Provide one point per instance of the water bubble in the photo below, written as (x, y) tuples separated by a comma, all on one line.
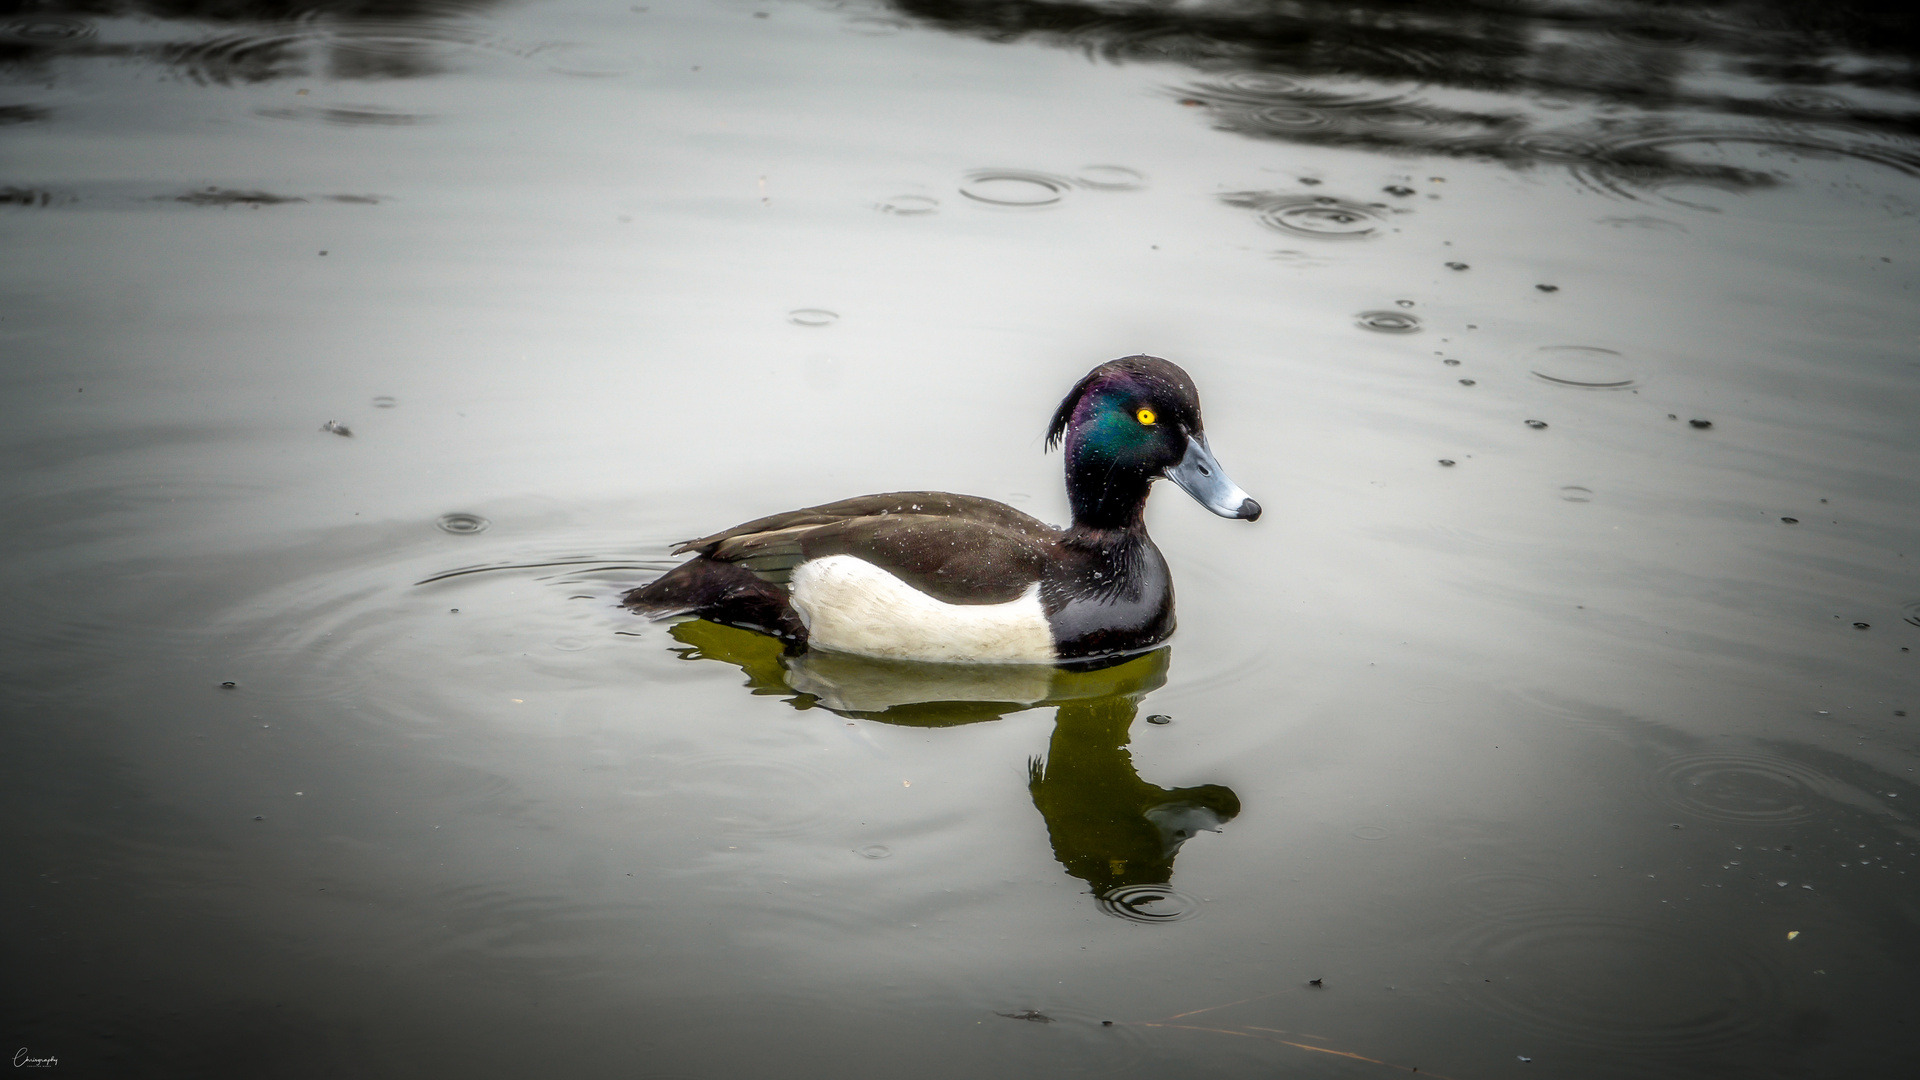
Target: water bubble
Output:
[(1537, 425), (1456, 266), (1701, 423), (1468, 382), (1399, 190), (1451, 362), (1548, 288), (1862, 626), (1576, 494), (384, 402), (1320, 216), (812, 317), (1446, 461), (908, 205), (1403, 303), (1148, 903), (1582, 367), (1018, 188), (1791, 520), (1110, 178), (874, 851), (1388, 322), (1370, 832), (1159, 718), (462, 524)]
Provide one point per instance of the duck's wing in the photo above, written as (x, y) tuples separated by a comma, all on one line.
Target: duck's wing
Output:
[(955, 548), (928, 503)]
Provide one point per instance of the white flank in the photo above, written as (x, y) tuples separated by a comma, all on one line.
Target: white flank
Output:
[(851, 605)]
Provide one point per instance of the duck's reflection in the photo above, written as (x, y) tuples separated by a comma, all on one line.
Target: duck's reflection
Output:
[(1109, 828)]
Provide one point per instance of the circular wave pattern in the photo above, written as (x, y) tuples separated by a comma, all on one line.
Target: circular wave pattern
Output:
[(46, 29), (1015, 188), (750, 795), (243, 57), (1811, 102), (1319, 216), (908, 205), (1582, 367), (1609, 981), (1500, 894), (812, 317), (1605, 980), (462, 524), (1388, 322), (1110, 178), (1742, 788), (366, 48), (1148, 903), (1638, 166), (1554, 146)]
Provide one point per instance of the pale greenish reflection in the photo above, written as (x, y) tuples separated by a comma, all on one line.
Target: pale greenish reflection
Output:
[(1110, 828)]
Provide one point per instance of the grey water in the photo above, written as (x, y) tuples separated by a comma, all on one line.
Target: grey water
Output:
[(1556, 719)]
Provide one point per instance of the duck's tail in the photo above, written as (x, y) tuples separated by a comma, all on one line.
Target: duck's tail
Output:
[(721, 592)]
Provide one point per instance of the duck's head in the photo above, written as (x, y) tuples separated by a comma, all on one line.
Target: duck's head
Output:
[(1130, 422)]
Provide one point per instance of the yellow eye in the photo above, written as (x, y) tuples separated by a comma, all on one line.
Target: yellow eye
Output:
[(1146, 417)]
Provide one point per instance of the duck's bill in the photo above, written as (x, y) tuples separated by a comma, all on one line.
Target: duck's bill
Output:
[(1200, 476)]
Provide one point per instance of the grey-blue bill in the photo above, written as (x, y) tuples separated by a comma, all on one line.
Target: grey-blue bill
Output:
[(1199, 474)]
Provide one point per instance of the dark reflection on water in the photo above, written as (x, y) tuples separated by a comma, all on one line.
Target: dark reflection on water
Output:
[(1524, 83), (1111, 829), (368, 39)]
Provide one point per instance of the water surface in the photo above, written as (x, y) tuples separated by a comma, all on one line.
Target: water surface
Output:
[(1554, 719)]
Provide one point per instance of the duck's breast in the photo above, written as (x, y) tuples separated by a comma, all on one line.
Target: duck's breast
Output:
[(851, 605)]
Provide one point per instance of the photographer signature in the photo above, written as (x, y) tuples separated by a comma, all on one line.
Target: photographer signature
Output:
[(24, 1060)]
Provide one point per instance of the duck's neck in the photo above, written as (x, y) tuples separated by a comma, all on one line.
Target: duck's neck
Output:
[(1106, 496)]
